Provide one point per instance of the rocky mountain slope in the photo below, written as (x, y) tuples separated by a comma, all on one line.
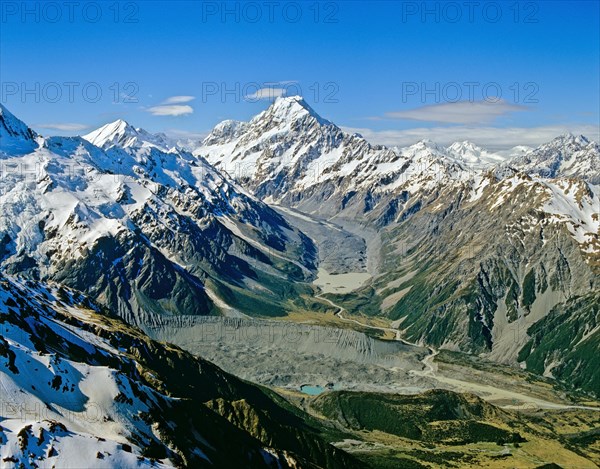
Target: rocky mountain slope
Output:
[(143, 228), (80, 389), (480, 288)]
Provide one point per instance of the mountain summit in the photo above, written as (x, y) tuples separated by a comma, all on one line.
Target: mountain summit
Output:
[(124, 207), (292, 108)]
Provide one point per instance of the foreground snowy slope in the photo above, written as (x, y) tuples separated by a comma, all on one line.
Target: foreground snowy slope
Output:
[(82, 390), (143, 228)]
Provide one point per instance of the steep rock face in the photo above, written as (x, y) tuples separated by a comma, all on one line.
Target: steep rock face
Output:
[(146, 229), (15, 134), (78, 387)]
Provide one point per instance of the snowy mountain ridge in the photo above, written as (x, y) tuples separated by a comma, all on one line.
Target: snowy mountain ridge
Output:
[(289, 156), (567, 155)]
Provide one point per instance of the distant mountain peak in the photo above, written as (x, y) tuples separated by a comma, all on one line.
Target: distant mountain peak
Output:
[(427, 144), (567, 155), (122, 134), (465, 146), (112, 133), (570, 138)]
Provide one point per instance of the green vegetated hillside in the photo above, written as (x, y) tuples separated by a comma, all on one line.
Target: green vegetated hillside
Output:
[(441, 428), (437, 417), (566, 342)]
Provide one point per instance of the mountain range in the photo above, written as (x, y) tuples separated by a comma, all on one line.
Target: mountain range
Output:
[(494, 254), (476, 243)]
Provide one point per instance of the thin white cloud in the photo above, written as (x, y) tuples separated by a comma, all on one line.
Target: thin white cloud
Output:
[(266, 93), (172, 106), (170, 110), (66, 127), (460, 112), (178, 99), (493, 138)]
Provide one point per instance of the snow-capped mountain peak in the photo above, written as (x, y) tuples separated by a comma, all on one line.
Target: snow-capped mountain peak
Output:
[(474, 156), (427, 143), (465, 148), (288, 109), (571, 139), (118, 132), (122, 134), (225, 131)]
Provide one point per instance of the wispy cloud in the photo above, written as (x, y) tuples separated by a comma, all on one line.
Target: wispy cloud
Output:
[(66, 127), (173, 106), (178, 99), (275, 89), (494, 138), (460, 112), (266, 93), (171, 110)]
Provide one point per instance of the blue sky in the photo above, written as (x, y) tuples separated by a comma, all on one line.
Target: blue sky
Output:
[(498, 73)]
